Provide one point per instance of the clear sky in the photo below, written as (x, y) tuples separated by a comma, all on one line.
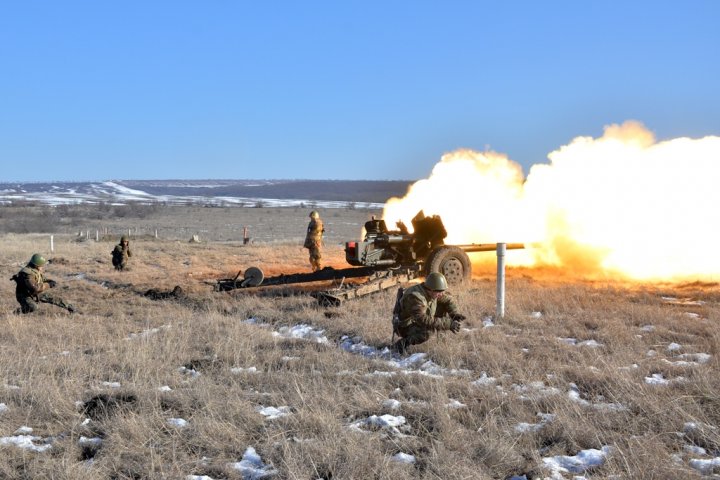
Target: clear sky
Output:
[(338, 89)]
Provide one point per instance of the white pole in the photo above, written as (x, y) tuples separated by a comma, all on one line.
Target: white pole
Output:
[(156, 233), (500, 300), (52, 244), (97, 235)]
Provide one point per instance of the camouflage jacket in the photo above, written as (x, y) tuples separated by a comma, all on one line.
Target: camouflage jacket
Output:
[(29, 282), (419, 308), (120, 254), (314, 233)]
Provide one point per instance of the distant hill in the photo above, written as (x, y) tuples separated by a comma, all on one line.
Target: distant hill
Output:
[(327, 193), (371, 191)]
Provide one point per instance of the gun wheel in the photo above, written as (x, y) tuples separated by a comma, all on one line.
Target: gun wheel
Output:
[(252, 277), (452, 262)]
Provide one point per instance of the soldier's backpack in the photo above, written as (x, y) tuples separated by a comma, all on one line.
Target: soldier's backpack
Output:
[(396, 312)]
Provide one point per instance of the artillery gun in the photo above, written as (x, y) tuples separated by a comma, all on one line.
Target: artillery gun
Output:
[(423, 249), (386, 257)]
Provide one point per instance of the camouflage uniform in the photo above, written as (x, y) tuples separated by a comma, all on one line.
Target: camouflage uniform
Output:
[(420, 314), (30, 283), (120, 255), (313, 242)]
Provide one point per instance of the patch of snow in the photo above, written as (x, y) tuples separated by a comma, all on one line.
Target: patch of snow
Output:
[(252, 467), (536, 315), (189, 371), (383, 422), (575, 396), (302, 331), (535, 390), (111, 384), (391, 403), (695, 450), (25, 441), (484, 381), (673, 347), (524, 427), (3, 408), (178, 422), (696, 357), (659, 379), (165, 388), (579, 463), (271, 413), (705, 467), (586, 343), (23, 430), (454, 404), (404, 458), (90, 441)]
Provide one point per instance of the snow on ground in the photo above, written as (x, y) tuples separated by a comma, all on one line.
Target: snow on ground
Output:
[(271, 413), (117, 194), (302, 331), (583, 461), (252, 467)]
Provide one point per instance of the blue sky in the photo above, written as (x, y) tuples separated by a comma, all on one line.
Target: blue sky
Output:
[(338, 89)]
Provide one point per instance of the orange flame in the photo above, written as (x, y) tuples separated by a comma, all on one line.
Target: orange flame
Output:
[(621, 204)]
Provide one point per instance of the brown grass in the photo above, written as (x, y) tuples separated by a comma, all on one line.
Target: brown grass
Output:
[(57, 370)]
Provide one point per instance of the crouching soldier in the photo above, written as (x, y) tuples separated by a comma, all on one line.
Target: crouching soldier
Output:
[(121, 253), (424, 308), (30, 285)]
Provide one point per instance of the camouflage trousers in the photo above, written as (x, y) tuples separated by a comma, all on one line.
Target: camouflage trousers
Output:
[(120, 266), (30, 304), (415, 334), (315, 257)]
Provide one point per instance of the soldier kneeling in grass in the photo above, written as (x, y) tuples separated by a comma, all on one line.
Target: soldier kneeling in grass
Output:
[(30, 285), (423, 308)]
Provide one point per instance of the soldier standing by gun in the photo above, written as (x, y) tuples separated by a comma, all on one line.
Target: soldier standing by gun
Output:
[(121, 253), (313, 240), (422, 309), (30, 285)]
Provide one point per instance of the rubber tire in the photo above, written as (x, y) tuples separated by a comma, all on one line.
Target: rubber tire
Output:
[(452, 262), (252, 277)]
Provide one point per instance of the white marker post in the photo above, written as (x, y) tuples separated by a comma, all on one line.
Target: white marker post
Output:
[(500, 297), (52, 244)]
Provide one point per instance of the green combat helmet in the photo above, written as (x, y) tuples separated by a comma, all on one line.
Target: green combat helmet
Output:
[(124, 238), (314, 214), (38, 260), (436, 281)]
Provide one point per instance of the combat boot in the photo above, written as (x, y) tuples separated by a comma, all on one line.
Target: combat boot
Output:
[(401, 346)]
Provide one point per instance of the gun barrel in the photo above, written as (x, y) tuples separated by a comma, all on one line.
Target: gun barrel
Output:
[(489, 247)]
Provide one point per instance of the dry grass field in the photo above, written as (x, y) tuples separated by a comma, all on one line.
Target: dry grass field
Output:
[(134, 388)]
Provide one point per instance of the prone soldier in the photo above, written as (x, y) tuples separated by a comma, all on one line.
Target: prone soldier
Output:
[(31, 285)]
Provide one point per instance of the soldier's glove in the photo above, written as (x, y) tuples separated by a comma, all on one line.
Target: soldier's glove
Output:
[(51, 283), (455, 326), (459, 317)]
